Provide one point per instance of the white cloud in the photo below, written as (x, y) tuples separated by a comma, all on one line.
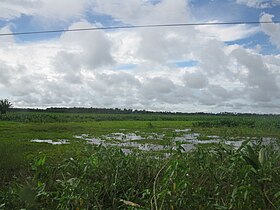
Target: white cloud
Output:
[(111, 89), (260, 82), (144, 12), (157, 87), (50, 9), (272, 29), (5, 72), (195, 80), (90, 49), (260, 4), (62, 9), (164, 45), (6, 40), (14, 8), (156, 45), (219, 91), (78, 69), (212, 57), (228, 33)]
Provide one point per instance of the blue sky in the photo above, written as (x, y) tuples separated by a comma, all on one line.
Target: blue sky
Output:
[(202, 11), (176, 69)]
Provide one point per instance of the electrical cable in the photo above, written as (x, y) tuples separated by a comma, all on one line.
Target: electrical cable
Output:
[(137, 26)]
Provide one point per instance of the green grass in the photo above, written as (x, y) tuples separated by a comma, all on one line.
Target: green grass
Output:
[(82, 176), (99, 178)]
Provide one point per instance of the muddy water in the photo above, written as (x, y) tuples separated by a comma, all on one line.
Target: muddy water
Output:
[(188, 140), (123, 136), (123, 141), (128, 141)]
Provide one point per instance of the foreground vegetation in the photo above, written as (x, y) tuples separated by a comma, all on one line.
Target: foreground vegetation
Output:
[(99, 178), (83, 176)]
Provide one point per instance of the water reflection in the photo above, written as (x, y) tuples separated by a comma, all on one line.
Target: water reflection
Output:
[(49, 141), (151, 141)]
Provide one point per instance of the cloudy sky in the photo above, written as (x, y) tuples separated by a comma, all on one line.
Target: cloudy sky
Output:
[(232, 68)]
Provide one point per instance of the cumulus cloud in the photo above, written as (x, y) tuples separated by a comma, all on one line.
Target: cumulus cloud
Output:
[(114, 83), (79, 69), (212, 58), (195, 80), (111, 89), (163, 45), (157, 87), (51, 9), (25, 85), (57, 9), (69, 66), (144, 12), (260, 81), (260, 4), (228, 33), (155, 45), (272, 30), (5, 74), (15, 8), (90, 50), (219, 91), (8, 40)]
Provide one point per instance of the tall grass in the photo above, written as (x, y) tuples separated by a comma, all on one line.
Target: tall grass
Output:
[(216, 177)]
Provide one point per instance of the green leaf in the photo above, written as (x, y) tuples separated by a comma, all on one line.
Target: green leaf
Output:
[(244, 143), (252, 158), (277, 195), (262, 154)]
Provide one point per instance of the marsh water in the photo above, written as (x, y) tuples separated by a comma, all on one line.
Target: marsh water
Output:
[(183, 139)]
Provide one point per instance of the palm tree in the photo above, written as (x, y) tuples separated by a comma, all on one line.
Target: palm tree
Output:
[(5, 104)]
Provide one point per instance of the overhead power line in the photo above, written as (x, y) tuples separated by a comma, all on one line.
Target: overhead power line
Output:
[(136, 26)]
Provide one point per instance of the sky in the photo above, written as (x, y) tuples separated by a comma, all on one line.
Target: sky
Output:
[(226, 68)]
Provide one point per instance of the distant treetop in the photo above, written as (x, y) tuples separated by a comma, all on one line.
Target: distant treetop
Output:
[(5, 104)]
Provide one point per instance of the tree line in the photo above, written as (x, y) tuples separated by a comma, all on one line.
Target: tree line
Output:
[(6, 105)]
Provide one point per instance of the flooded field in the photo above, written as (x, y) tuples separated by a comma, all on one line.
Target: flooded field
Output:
[(183, 139), (195, 162)]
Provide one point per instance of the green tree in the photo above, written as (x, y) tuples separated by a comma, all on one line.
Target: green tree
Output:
[(5, 104)]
